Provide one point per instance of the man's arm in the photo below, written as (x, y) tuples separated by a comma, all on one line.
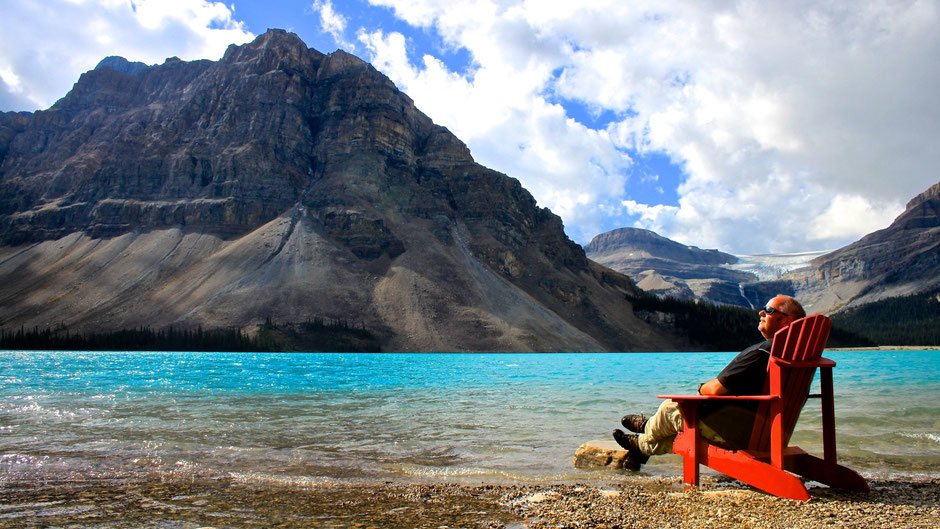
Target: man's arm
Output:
[(713, 387)]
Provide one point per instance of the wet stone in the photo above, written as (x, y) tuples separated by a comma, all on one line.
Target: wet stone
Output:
[(601, 454)]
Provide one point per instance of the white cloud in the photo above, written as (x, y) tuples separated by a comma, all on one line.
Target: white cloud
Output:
[(63, 39), (501, 111), (333, 23), (849, 214), (657, 216), (785, 115)]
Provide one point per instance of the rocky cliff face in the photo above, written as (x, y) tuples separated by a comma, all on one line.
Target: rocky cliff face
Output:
[(280, 182), (667, 268)]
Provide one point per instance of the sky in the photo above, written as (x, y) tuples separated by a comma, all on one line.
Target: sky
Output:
[(763, 126)]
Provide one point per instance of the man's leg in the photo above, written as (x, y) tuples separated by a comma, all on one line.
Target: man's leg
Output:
[(661, 429)]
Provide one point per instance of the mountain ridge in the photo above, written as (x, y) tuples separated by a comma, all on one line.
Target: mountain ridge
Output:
[(668, 268), (282, 183), (899, 260)]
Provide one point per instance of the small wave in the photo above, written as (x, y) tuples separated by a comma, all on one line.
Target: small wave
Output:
[(9, 461), (922, 435), (32, 511), (447, 472), (274, 479)]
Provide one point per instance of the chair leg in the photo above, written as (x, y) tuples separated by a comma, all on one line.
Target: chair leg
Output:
[(690, 471), (690, 462), (828, 415)]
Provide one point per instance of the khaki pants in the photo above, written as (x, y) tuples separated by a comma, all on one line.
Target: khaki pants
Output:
[(662, 428)]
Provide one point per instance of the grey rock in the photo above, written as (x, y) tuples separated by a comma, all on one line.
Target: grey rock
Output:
[(281, 182), (122, 65)]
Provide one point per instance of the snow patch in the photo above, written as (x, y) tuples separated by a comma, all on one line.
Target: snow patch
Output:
[(768, 267)]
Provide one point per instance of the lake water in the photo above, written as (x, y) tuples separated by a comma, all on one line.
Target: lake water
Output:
[(300, 418)]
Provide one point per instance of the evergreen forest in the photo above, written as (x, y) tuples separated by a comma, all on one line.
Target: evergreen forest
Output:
[(315, 335), (906, 320), (712, 327)]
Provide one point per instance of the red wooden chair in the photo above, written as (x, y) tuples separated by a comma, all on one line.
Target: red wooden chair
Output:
[(767, 463)]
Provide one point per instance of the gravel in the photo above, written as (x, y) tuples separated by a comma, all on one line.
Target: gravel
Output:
[(625, 502), (656, 503)]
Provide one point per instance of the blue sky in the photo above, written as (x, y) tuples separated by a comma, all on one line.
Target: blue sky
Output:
[(748, 126)]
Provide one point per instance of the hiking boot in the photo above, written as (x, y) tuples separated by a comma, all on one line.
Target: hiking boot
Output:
[(629, 442), (634, 423)]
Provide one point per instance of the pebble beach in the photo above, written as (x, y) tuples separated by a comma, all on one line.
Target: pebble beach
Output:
[(630, 501)]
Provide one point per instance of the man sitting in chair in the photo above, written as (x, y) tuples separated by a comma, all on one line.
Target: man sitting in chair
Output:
[(725, 424)]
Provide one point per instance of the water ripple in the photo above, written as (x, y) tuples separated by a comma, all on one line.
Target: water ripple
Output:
[(297, 417)]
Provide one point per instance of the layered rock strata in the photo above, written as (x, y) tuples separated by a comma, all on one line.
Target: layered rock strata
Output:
[(281, 182)]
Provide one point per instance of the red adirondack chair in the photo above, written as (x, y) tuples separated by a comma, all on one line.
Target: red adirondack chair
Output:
[(767, 463)]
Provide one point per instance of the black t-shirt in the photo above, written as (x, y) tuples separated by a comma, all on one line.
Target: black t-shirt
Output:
[(744, 375)]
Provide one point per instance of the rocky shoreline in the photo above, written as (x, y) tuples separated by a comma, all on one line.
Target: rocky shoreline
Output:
[(621, 502), (654, 503)]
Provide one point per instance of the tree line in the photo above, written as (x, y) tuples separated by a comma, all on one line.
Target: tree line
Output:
[(316, 335), (713, 327), (905, 320), (908, 320)]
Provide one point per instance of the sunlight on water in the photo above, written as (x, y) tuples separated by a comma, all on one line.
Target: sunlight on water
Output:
[(424, 416)]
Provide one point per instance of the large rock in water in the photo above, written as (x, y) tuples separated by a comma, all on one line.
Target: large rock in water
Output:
[(281, 182), (603, 454)]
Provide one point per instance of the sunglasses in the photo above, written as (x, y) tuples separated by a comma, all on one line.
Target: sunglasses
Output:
[(768, 310)]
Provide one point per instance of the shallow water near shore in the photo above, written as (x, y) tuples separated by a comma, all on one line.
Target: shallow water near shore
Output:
[(298, 419)]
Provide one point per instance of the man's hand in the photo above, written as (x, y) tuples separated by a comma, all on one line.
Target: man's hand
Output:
[(713, 387)]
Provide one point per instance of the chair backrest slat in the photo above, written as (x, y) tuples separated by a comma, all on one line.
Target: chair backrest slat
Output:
[(803, 340)]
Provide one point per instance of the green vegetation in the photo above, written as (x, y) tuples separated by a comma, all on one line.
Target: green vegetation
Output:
[(713, 327), (317, 335), (309, 336), (141, 339), (708, 326), (906, 320)]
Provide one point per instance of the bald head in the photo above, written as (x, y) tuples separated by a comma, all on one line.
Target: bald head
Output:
[(778, 314), (792, 307)]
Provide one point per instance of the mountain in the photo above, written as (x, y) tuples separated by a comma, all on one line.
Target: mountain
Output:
[(667, 268), (282, 183), (900, 260)]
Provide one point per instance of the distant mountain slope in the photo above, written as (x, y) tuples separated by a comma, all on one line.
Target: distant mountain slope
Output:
[(281, 182), (899, 260), (667, 268), (902, 259), (626, 245)]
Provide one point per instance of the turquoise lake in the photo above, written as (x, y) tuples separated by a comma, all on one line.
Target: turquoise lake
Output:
[(300, 418)]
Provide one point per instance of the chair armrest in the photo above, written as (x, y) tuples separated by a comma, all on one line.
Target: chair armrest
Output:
[(718, 397), (821, 362)]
